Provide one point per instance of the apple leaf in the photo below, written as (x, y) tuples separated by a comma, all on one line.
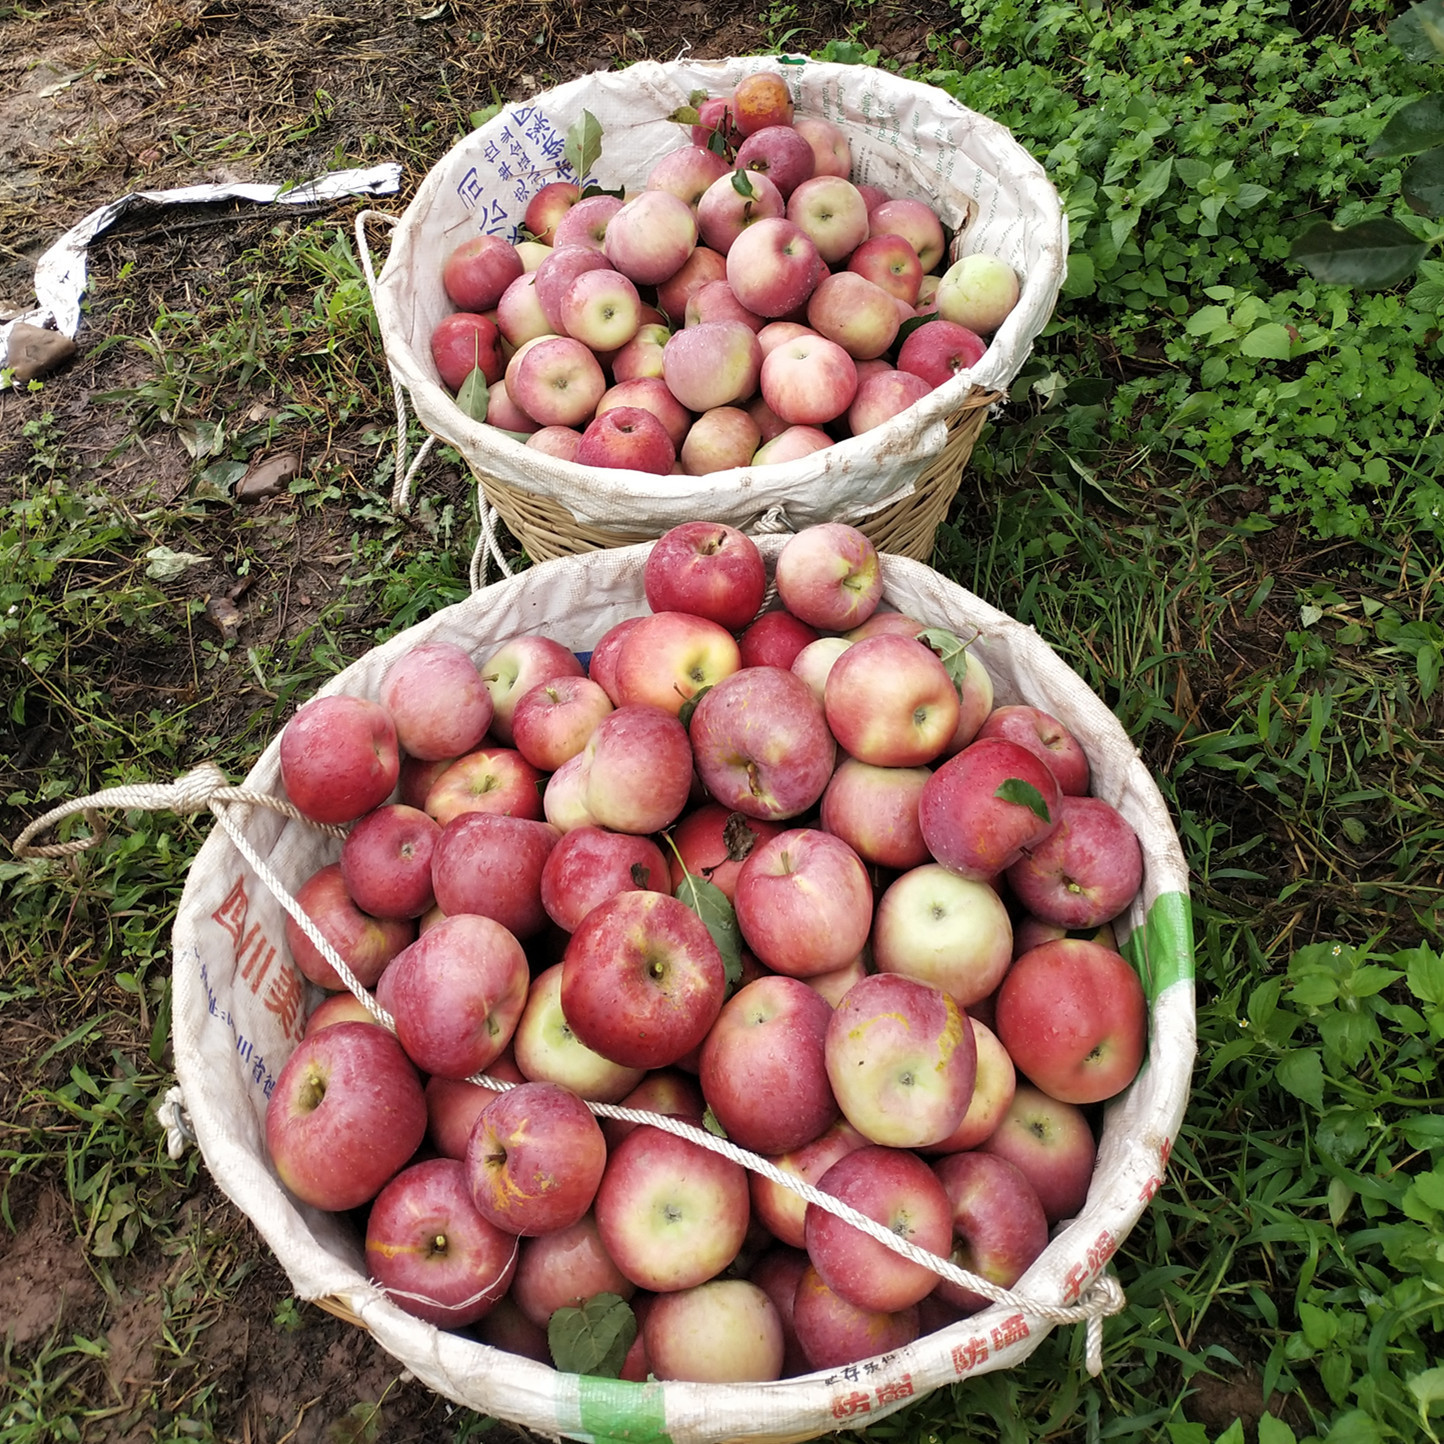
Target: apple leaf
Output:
[(952, 652), (641, 875), (711, 1124), (584, 143), (696, 97), (742, 185), (908, 327), (1377, 253), (710, 904), (1024, 794), (594, 1338), (474, 395), (686, 115), (717, 144), (684, 713)]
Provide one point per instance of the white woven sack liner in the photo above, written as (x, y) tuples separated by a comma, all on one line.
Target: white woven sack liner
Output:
[(227, 1042), (911, 139)]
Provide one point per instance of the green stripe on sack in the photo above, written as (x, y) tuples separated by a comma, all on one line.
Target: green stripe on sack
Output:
[(618, 1409), (1162, 949)]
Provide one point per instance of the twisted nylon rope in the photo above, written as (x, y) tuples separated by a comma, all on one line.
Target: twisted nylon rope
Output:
[(206, 788)]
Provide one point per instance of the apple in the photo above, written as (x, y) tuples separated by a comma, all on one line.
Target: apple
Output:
[(939, 350), (706, 569), (814, 664), (429, 1249), (535, 1159), (715, 300), (791, 444), (1042, 733), (638, 769), (366, 944), (651, 394), (993, 1091), (454, 1104), (478, 270), (1029, 932), (761, 745), (1086, 1042), (774, 640), (437, 701), (338, 1008), (712, 364), (831, 151), (671, 1213), (339, 758), (715, 129), (669, 1091), (858, 315), (875, 811), (602, 666), (505, 1327), (916, 222), (558, 382), (464, 342), (532, 254), (720, 439), (724, 1331), (829, 575), (651, 236), (564, 1268), (553, 720), (590, 865), (734, 202), (978, 291), (773, 267), (456, 994), (712, 842), (585, 223), (601, 309), (778, 1207), (386, 861), (890, 262), (762, 1069), (503, 413), (687, 172), (834, 986), (519, 314), (834, 1333), (517, 666), (553, 279), (882, 396), (808, 381), (491, 864), (1086, 872), (642, 980), (548, 1050), (1053, 1145), (642, 355), (902, 1061), (346, 1114), (417, 778), (985, 806), (491, 779), (832, 211), (669, 657), (702, 268), (779, 153), (778, 333), (547, 206), (889, 701), (759, 100), (769, 423), (627, 438)]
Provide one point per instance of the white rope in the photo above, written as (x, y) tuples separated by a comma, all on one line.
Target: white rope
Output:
[(487, 544)]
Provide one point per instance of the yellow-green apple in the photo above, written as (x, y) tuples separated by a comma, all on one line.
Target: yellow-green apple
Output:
[(875, 811), (978, 291), (553, 279), (535, 1159), (712, 364), (366, 944), (517, 666), (1041, 732), (1052, 1143), (687, 172), (564, 1268), (829, 575), (725, 1331), (890, 701), (902, 1060), (627, 438), (431, 1251), (779, 153), (491, 779), (808, 381), (602, 667), (983, 808), (890, 262), (651, 236), (939, 928), (707, 569), (1073, 1017), (491, 864), (669, 1091), (454, 1104), (814, 665), (437, 700), (775, 639), (804, 901), (547, 1049), (532, 254), (339, 757), (386, 861), (938, 350), (590, 865), (778, 1207), (882, 396), (916, 222), (761, 745), (893, 1187), (601, 309), (703, 267), (671, 1213), (834, 1333), (858, 315), (760, 100), (585, 223), (719, 439), (519, 314), (464, 342), (999, 1227), (564, 799), (638, 766), (478, 270), (831, 152), (712, 842), (642, 980), (547, 207), (671, 656), (651, 394), (1086, 873), (734, 202), (791, 444), (503, 413), (346, 1114), (773, 267), (993, 1091), (832, 211), (456, 994), (762, 1069), (716, 301), (642, 355), (552, 721), (558, 381)]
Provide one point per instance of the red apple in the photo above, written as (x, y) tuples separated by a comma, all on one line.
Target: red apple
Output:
[(1086, 872), (492, 865), (478, 270), (875, 811), (1042, 733), (386, 861), (774, 640), (548, 1050), (564, 1268), (712, 842), (889, 701), (365, 943), (552, 722), (437, 701), (707, 569), (590, 865), (1051, 1142), (834, 1333), (464, 342), (627, 438), (492, 779), (784, 1212), (339, 758), (829, 575)]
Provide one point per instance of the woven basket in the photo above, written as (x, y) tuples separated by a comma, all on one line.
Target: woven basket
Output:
[(897, 481)]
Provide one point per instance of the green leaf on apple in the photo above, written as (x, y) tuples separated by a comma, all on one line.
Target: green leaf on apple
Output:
[(742, 185), (717, 144), (474, 395), (686, 115), (710, 1123), (584, 143), (1014, 789), (710, 904), (684, 714), (594, 1338), (952, 652), (696, 97)]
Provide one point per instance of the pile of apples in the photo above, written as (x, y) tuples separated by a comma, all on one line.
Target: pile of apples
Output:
[(750, 306), (790, 873)]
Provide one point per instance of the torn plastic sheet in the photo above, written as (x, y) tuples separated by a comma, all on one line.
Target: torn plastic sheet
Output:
[(60, 274)]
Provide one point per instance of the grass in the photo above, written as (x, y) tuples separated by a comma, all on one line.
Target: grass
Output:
[(1264, 620)]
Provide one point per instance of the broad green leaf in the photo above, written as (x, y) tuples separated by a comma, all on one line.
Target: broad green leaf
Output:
[(1419, 31), (1373, 253), (1320, 1327), (1024, 794), (1250, 195), (686, 115), (710, 904), (1302, 1073), (684, 713), (1205, 319), (1081, 278), (1424, 973), (1423, 184), (951, 651), (584, 143), (1418, 126), (1354, 1427), (1370, 979), (1271, 341), (742, 184), (594, 1338), (1340, 1197), (1153, 181), (474, 395), (908, 327), (1429, 1187), (1428, 1389)]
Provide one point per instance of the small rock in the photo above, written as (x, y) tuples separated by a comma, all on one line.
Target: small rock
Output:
[(35, 352), (223, 614), (266, 478)]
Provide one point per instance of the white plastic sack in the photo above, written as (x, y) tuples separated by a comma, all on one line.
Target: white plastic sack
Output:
[(239, 1005), (910, 139)]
